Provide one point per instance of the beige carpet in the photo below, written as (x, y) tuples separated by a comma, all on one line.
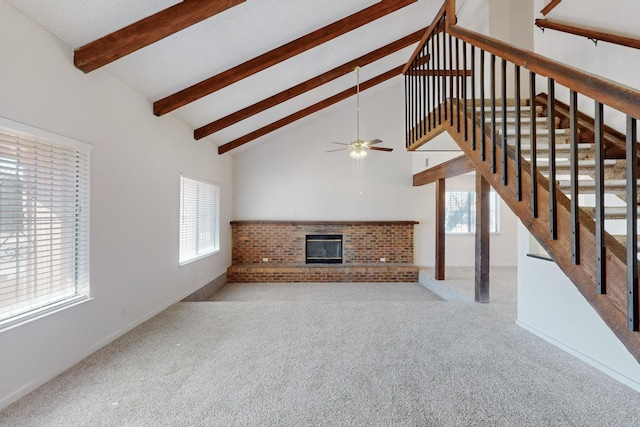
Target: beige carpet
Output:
[(331, 355)]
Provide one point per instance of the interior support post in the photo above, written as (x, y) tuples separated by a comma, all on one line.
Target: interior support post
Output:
[(482, 239), (440, 228), (451, 12)]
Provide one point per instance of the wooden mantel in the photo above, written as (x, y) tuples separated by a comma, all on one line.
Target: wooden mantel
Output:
[(306, 222)]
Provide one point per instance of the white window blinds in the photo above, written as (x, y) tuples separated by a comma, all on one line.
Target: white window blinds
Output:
[(44, 225), (460, 212), (199, 219)]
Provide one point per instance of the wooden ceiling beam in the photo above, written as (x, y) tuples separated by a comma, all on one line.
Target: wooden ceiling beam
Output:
[(147, 31), (309, 110), (307, 85), (286, 51)]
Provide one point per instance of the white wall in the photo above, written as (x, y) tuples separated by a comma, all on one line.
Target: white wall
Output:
[(136, 163), (291, 177), (550, 306), (473, 14), (616, 63), (301, 181), (512, 22)]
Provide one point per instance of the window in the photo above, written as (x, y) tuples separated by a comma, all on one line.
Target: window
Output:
[(44, 222), (199, 219), (460, 212)]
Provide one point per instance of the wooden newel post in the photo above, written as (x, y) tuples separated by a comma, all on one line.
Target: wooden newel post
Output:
[(482, 239), (451, 12)]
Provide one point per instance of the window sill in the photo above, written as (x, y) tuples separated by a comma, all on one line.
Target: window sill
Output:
[(497, 233), (42, 313), (189, 261)]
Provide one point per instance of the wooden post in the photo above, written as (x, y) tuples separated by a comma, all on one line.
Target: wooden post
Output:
[(440, 228), (451, 12), (482, 239)]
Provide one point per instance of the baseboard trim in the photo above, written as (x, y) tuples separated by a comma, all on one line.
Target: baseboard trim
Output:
[(207, 291), (60, 368), (54, 372), (585, 358)]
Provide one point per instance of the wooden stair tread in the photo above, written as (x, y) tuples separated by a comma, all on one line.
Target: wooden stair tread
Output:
[(622, 238), (610, 212), (527, 119), (525, 130), (560, 148), (566, 163), (589, 183)]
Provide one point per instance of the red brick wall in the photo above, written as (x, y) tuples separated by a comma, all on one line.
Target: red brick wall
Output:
[(284, 242)]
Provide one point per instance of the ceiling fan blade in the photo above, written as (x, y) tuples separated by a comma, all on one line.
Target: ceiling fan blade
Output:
[(381, 149), (339, 149), (341, 143), (373, 141)]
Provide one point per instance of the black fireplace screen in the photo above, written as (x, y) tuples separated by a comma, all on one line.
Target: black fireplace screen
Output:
[(324, 249)]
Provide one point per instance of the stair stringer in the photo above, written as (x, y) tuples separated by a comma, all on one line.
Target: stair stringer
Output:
[(612, 306)]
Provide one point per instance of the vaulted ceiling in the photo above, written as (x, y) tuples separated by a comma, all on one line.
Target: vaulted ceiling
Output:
[(236, 70)]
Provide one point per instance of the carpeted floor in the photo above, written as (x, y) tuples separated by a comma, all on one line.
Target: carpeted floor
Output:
[(332, 355)]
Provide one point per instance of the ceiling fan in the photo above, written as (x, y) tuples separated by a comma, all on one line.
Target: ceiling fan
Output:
[(358, 148)]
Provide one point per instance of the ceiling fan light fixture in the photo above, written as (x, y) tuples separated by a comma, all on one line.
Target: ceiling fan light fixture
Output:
[(358, 153), (358, 148)]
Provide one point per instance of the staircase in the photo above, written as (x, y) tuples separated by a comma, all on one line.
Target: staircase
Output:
[(615, 185), (571, 239), (565, 175)]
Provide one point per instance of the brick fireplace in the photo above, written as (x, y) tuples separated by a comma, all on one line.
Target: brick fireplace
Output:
[(276, 251)]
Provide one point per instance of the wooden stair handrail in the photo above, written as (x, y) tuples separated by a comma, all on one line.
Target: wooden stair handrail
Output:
[(550, 6), (427, 34), (620, 97), (589, 33)]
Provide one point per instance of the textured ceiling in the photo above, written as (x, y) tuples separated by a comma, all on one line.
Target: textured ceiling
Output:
[(231, 38)]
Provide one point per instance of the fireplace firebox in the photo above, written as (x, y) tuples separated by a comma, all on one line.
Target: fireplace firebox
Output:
[(323, 249)]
